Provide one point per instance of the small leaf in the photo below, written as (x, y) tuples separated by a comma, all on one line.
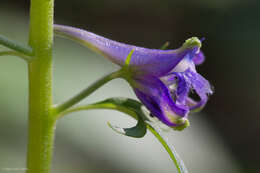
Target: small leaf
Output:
[(125, 105), (137, 131), (168, 147)]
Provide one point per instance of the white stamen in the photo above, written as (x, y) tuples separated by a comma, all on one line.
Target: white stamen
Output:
[(184, 65)]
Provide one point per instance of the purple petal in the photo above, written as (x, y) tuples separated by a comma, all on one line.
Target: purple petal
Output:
[(183, 88), (196, 105), (157, 98), (199, 58), (202, 88), (145, 61), (183, 83)]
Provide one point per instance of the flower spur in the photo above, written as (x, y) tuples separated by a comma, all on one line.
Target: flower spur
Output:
[(162, 79)]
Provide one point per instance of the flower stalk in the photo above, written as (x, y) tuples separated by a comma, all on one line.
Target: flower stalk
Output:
[(18, 54), (86, 92), (26, 50)]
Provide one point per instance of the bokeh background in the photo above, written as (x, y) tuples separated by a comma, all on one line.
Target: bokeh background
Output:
[(224, 137)]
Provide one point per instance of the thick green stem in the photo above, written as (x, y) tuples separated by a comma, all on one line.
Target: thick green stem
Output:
[(41, 121), (86, 92)]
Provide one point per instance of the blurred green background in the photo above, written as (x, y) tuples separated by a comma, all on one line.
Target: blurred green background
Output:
[(224, 137)]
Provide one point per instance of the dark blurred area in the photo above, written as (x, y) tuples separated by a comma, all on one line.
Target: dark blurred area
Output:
[(232, 32)]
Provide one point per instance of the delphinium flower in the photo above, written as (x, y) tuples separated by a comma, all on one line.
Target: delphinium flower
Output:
[(163, 80)]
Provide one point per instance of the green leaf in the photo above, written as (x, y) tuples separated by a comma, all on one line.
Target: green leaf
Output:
[(134, 109), (168, 147), (125, 105), (137, 131)]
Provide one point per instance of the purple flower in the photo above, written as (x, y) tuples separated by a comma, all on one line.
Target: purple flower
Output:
[(162, 79)]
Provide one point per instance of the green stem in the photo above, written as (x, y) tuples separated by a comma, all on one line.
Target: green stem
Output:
[(100, 106), (41, 118), (15, 46), (18, 54), (86, 92)]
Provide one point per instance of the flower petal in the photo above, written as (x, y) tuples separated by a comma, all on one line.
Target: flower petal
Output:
[(145, 61), (157, 98), (199, 58), (182, 84), (183, 88), (202, 88)]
